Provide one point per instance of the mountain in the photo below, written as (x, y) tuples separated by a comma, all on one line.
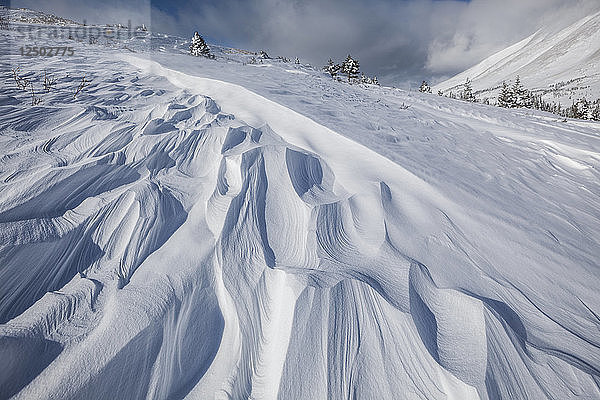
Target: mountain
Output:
[(31, 17), (563, 65), (185, 228)]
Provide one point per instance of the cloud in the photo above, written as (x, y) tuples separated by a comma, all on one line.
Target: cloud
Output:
[(399, 41), (484, 27)]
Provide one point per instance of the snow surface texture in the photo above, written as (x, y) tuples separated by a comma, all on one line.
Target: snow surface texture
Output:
[(189, 228), (564, 64)]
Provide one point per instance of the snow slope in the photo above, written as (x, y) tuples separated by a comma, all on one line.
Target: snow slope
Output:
[(562, 64), (189, 228)]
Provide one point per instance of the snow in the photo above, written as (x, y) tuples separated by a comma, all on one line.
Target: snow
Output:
[(563, 64), (194, 228)]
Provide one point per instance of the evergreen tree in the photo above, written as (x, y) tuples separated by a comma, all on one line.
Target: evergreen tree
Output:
[(440, 93), (332, 68), (583, 109), (199, 46), (263, 54), (572, 112), (467, 93), (595, 115), (521, 96), (351, 68), (505, 97), (425, 88), (374, 81), (517, 90), (297, 61)]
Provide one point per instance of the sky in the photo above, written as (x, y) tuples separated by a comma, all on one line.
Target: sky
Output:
[(402, 42)]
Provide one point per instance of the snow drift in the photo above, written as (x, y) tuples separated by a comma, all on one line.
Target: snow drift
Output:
[(167, 235)]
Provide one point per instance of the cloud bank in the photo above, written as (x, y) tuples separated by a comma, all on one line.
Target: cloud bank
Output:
[(402, 42)]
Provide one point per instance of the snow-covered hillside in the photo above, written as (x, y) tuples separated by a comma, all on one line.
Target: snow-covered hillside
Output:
[(199, 229), (32, 17), (563, 65)]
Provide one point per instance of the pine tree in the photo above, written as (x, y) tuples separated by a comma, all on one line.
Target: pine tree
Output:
[(351, 68), (332, 68), (595, 116), (505, 97), (572, 112), (527, 99), (425, 88), (263, 54), (374, 81), (467, 93), (583, 109), (199, 47), (297, 61), (521, 96), (516, 92), (440, 93)]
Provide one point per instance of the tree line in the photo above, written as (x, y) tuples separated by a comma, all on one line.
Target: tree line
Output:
[(518, 96), (350, 67)]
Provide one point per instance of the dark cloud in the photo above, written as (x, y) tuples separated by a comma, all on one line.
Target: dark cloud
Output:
[(400, 41)]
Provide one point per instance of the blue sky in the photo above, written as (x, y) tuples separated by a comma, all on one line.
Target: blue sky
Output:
[(402, 41)]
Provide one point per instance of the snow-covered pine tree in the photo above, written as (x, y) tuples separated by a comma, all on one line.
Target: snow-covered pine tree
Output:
[(263, 54), (505, 96), (596, 111), (583, 109), (351, 68), (440, 93), (467, 93), (527, 99), (374, 81), (199, 46), (297, 61), (365, 79), (521, 96), (425, 88), (332, 68)]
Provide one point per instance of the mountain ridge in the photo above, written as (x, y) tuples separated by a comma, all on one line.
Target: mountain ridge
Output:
[(561, 65)]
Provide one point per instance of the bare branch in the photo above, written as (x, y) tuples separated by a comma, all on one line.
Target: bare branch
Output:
[(49, 82), (82, 84), (35, 100), (21, 82)]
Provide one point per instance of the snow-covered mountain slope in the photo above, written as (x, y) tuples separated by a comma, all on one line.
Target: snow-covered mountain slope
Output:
[(194, 228), (32, 17), (564, 65)]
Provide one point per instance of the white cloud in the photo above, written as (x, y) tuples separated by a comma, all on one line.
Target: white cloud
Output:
[(484, 27), (396, 40)]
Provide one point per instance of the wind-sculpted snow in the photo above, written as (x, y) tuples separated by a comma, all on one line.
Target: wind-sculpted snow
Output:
[(181, 237)]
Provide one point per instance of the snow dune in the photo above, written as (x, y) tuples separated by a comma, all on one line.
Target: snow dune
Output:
[(169, 235)]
